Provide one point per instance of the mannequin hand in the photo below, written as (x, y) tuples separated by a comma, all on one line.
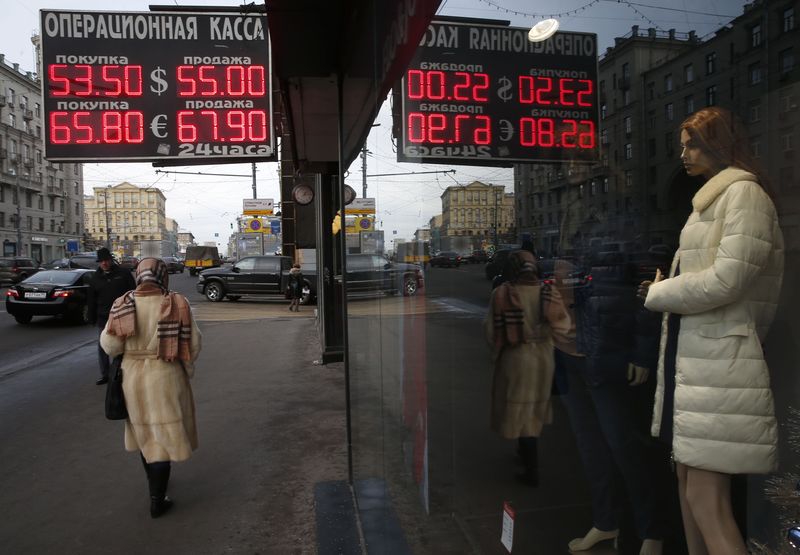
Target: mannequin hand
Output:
[(644, 287), (637, 375)]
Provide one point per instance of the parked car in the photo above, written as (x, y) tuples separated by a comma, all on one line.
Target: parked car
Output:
[(173, 265), (446, 258), (51, 293), (14, 269), (128, 262), (87, 261), (475, 257)]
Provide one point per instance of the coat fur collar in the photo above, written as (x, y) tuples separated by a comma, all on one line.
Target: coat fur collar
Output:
[(715, 186)]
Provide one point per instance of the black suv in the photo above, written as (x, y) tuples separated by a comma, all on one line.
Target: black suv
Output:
[(14, 269)]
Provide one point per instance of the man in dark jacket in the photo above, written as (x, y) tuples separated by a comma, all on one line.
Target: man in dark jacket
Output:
[(108, 282)]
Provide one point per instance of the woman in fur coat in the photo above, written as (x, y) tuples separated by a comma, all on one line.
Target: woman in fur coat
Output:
[(154, 329), (523, 313), (713, 399)]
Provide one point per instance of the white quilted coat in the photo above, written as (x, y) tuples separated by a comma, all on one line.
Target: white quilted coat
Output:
[(731, 269)]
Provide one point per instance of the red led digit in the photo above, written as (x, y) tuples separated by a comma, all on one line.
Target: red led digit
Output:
[(59, 86), (133, 80), (543, 90), (585, 96), (586, 139), (134, 127), (436, 123), (208, 80), (416, 127), (257, 125), (239, 124), (255, 80), (187, 132), (483, 135), (565, 91), (85, 80), (59, 132), (570, 134), (526, 94), (462, 86), (415, 83), (459, 118), (116, 82), (112, 127), (186, 84), (214, 122), (236, 83), (479, 90), (83, 133), (527, 131), (547, 135), (435, 85)]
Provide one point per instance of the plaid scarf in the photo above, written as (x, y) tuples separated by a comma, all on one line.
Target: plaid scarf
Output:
[(508, 316), (174, 320)]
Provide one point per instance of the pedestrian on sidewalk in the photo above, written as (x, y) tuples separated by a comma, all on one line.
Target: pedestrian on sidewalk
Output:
[(523, 312), (153, 328), (295, 287), (109, 282)]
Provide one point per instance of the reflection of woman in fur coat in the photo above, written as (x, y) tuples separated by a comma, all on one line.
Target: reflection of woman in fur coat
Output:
[(154, 329), (523, 313)]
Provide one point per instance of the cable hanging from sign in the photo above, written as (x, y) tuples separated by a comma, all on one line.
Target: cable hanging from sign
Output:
[(581, 8)]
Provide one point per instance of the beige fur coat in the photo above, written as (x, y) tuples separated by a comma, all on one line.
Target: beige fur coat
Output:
[(161, 420)]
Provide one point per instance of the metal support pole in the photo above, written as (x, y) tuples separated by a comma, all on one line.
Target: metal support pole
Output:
[(19, 208), (364, 171), (255, 193), (494, 191), (108, 231)]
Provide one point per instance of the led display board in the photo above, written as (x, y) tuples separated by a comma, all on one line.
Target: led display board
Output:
[(156, 86), (485, 95)]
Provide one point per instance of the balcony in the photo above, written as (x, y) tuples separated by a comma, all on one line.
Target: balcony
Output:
[(54, 190), (27, 114), (27, 161), (3, 153)]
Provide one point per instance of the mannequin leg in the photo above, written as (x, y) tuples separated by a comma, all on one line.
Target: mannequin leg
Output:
[(694, 538), (708, 495)]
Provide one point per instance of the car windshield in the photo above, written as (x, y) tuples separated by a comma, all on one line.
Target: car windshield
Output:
[(54, 277)]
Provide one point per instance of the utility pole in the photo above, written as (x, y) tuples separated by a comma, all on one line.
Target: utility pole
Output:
[(19, 205), (108, 231), (494, 192), (255, 193), (364, 171)]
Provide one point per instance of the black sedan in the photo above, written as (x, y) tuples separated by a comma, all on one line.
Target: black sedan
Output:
[(51, 293), (446, 258), (173, 265)]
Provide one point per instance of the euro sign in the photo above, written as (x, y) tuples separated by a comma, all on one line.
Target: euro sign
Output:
[(157, 75), (504, 91)]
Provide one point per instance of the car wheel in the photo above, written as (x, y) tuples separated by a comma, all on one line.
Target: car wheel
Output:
[(214, 292), (409, 286), (23, 318), (233, 297)]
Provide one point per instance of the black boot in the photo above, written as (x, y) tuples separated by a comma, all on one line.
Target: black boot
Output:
[(158, 478), (529, 452)]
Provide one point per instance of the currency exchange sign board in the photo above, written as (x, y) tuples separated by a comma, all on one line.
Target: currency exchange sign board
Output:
[(156, 86), (485, 95)]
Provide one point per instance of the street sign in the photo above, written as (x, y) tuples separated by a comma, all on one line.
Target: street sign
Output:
[(275, 227), (141, 86), (361, 206), (485, 95), (72, 245), (254, 225), (257, 206)]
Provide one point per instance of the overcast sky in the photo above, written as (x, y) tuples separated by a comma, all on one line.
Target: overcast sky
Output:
[(207, 205)]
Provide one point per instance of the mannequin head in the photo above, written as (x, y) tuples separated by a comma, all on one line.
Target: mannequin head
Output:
[(711, 140)]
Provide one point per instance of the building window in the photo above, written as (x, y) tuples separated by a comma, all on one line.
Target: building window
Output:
[(786, 60), (29, 222), (669, 111), (28, 200), (668, 82), (37, 109), (41, 224), (651, 119), (593, 188), (755, 146), (604, 136), (61, 206), (755, 112), (40, 202), (52, 226), (651, 147), (688, 73), (628, 125), (628, 151), (11, 97), (669, 143), (711, 63), (12, 120), (605, 185), (711, 95), (52, 204), (786, 141), (603, 111), (688, 104), (754, 71), (755, 35), (628, 178), (651, 91), (626, 97), (788, 19)]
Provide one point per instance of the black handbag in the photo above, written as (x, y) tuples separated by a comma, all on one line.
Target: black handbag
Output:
[(115, 400)]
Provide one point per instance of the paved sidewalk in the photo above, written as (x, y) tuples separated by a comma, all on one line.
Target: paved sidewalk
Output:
[(271, 426)]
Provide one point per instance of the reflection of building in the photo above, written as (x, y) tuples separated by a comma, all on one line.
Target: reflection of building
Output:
[(649, 82), (171, 236), (49, 195), (422, 234), (124, 215), (185, 238), (435, 225), (484, 213)]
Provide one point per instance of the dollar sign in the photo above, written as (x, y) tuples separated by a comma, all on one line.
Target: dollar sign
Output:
[(157, 75), (504, 92)]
